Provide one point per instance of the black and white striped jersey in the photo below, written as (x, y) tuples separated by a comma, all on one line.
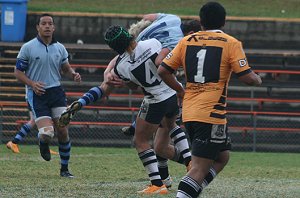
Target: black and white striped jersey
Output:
[(139, 67)]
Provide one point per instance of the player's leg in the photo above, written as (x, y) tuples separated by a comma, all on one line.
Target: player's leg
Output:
[(91, 96), (45, 135), (64, 144), (147, 122), (64, 147), (43, 120), (206, 147), (219, 163), (180, 152), (143, 135), (164, 171), (216, 168), (22, 133)]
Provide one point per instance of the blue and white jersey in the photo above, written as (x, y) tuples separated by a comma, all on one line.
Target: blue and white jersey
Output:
[(166, 29), (139, 67), (42, 62)]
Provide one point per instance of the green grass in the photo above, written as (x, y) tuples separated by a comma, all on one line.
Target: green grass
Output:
[(254, 8), (117, 172)]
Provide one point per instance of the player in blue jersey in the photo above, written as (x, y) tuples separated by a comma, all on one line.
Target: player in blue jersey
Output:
[(39, 65)]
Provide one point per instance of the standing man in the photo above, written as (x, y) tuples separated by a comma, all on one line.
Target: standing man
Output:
[(208, 58), (40, 63)]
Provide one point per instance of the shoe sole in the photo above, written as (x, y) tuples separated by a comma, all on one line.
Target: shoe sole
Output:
[(162, 191), (66, 116)]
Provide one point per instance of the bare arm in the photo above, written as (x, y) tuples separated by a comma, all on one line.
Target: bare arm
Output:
[(70, 73), (109, 78), (38, 87), (150, 17), (172, 82), (162, 54), (109, 67), (251, 79), (132, 85)]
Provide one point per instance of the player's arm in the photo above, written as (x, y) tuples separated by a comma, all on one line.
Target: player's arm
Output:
[(70, 73), (108, 77), (167, 75), (21, 66), (150, 17), (131, 85), (162, 54), (251, 79), (241, 67)]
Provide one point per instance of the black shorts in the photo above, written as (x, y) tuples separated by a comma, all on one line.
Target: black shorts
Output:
[(208, 140), (154, 113)]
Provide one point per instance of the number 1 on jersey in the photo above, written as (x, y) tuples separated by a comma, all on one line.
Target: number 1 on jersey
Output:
[(200, 66)]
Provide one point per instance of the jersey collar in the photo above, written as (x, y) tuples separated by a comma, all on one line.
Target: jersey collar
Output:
[(41, 41), (217, 31)]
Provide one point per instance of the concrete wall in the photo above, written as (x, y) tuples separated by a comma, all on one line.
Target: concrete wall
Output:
[(253, 32)]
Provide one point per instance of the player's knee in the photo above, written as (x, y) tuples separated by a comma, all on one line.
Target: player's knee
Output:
[(63, 135), (222, 160), (47, 131), (159, 148), (31, 123)]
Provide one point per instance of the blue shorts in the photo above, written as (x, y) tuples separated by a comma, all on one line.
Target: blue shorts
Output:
[(154, 113), (43, 105), (28, 106)]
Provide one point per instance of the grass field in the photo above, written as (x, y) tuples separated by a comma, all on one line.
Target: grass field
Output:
[(118, 173), (254, 8)]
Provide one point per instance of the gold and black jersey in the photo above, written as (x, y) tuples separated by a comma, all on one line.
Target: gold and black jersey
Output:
[(208, 58)]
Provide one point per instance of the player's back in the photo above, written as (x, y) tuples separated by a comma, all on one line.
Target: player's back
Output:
[(139, 67), (208, 59), (166, 29)]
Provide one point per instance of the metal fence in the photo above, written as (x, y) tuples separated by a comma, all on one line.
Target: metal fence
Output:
[(250, 129)]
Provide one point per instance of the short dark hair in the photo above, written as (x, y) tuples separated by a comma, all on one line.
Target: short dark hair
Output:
[(43, 15), (190, 25), (117, 38), (212, 15)]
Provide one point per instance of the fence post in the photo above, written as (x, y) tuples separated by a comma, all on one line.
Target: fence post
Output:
[(130, 105), (254, 132), (132, 114), (1, 123), (254, 122)]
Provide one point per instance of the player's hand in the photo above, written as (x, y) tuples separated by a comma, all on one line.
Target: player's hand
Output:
[(113, 80), (38, 88), (180, 95), (76, 77)]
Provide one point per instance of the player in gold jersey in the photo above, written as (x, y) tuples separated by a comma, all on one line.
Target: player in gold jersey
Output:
[(208, 58)]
